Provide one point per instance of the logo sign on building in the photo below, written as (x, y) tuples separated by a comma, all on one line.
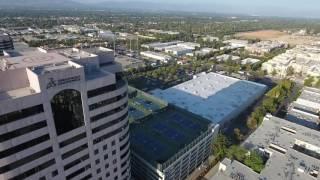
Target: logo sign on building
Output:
[(53, 83)]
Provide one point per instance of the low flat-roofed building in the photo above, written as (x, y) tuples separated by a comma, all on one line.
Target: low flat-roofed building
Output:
[(306, 109), (310, 97), (177, 50), (205, 51), (156, 31), (236, 43), (226, 57), (292, 152), (106, 35), (210, 38), (167, 143), (159, 46), (157, 56), (189, 45), (215, 97), (250, 61)]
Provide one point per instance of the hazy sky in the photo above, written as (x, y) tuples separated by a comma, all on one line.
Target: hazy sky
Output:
[(305, 8)]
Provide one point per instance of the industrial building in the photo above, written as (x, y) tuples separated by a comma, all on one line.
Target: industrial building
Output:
[(212, 96), (292, 152), (63, 115), (177, 50), (235, 43), (158, 46), (210, 38), (189, 45), (6, 43), (167, 143), (306, 109), (205, 51), (108, 35), (156, 56), (156, 31)]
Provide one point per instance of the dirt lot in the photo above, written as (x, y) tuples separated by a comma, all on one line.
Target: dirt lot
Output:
[(263, 35), (296, 40), (278, 36)]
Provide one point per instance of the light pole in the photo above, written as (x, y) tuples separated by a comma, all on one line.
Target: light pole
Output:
[(114, 45)]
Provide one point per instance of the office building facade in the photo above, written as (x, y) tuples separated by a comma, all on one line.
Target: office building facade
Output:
[(63, 118), (6, 43)]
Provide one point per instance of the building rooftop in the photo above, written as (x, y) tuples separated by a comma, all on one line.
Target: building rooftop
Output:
[(303, 117), (302, 107), (213, 96), (293, 152), (96, 50), (311, 95), (156, 54), (237, 42), (158, 131), (176, 48), (226, 57), (160, 136), (249, 61), (129, 62), (209, 50), (163, 32), (4, 37), (52, 68), (16, 93), (305, 110), (189, 44), (33, 59), (160, 44), (74, 53), (235, 171)]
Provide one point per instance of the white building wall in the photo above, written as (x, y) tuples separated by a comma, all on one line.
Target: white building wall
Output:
[(60, 156)]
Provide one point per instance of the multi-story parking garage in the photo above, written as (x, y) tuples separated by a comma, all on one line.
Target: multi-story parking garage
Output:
[(168, 143), (63, 115)]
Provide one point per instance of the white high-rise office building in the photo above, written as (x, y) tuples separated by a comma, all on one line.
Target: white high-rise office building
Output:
[(6, 43), (63, 115)]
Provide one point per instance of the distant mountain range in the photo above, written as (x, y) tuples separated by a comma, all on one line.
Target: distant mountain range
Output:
[(39, 4), (99, 5), (214, 6)]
